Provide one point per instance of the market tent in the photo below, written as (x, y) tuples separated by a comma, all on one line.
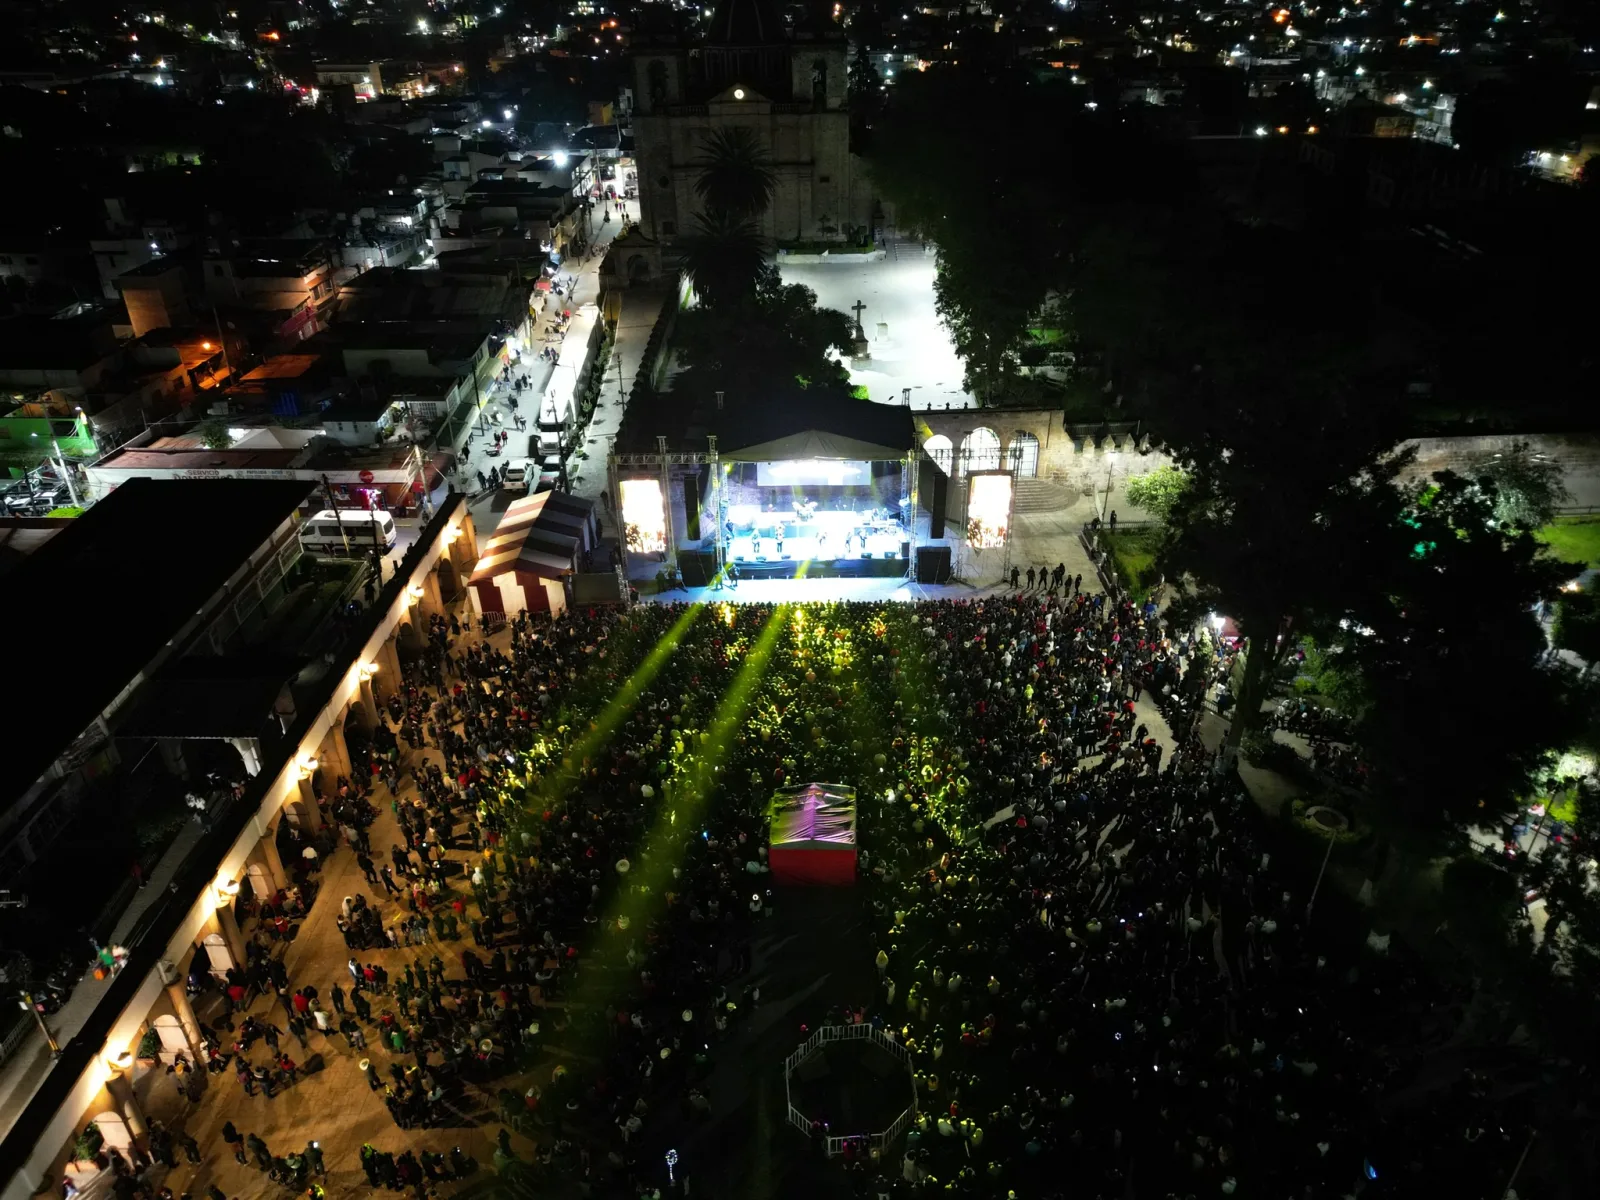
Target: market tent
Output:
[(812, 835), (541, 540)]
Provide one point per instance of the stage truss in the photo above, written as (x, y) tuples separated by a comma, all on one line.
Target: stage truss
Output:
[(663, 460)]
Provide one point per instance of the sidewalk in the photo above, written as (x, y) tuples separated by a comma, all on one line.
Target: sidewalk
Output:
[(587, 470), (333, 1104)]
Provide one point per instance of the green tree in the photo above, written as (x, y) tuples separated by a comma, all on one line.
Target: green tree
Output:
[(995, 222), (865, 93), (1562, 876), (775, 340), (1577, 625), (734, 177), (726, 257), (1159, 491), (214, 433), (1527, 485), (1465, 707)]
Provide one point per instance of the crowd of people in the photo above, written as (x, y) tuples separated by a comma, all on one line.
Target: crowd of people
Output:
[(1103, 980)]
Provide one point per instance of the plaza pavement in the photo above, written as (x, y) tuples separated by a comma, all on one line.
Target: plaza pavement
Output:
[(335, 1106)]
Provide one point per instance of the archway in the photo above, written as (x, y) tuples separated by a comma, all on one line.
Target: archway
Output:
[(261, 885), (114, 1131), (639, 268), (173, 1040), (218, 954), (941, 450), (1023, 454), (298, 812), (449, 580), (408, 637), (980, 450)]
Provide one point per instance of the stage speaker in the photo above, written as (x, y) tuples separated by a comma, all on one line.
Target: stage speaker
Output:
[(905, 551), (866, 554), (697, 567), (933, 564), (691, 505), (934, 488)]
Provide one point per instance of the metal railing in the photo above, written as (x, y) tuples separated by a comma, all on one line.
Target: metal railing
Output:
[(15, 1037), (834, 1146)]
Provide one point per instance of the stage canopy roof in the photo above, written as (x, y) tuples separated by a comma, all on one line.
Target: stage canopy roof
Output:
[(811, 423), (817, 816), (543, 534)]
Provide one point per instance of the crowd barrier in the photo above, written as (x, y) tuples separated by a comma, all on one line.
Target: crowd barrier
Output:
[(835, 1145)]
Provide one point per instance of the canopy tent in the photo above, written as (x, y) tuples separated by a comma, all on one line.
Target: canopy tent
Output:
[(814, 443), (813, 423), (812, 835), (540, 541)]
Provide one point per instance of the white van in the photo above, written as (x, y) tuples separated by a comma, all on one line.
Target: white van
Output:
[(364, 530), (516, 478)]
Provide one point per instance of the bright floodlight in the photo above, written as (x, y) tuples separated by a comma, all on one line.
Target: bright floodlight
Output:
[(560, 157), (422, 25), (988, 510), (644, 516), (508, 114)]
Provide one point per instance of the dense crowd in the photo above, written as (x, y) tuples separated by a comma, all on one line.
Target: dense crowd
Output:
[(1102, 979)]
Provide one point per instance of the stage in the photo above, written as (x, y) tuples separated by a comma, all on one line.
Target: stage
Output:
[(775, 544)]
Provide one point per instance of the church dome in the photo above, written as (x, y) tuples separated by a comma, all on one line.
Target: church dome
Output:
[(746, 23)]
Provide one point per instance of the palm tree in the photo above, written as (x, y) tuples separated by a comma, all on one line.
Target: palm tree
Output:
[(726, 257), (735, 174)]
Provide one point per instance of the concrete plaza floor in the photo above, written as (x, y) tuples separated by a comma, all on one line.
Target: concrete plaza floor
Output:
[(335, 1106), (909, 346)]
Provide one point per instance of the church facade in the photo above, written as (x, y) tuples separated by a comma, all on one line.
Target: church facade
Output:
[(787, 86)]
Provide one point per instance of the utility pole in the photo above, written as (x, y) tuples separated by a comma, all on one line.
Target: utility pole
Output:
[(1517, 1170), (1317, 886), (66, 473), (32, 1006), (327, 493)]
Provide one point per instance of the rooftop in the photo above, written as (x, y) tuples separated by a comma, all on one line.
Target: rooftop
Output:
[(162, 548), (283, 366)]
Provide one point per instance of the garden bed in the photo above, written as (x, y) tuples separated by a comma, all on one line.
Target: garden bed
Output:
[(1133, 556), (1574, 540)]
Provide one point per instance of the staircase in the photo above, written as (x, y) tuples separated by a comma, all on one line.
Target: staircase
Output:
[(1042, 496)]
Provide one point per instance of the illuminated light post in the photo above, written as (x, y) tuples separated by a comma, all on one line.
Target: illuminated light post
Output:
[(672, 1162)]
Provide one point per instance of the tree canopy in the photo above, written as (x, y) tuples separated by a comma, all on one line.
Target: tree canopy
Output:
[(1444, 633), (1159, 492)]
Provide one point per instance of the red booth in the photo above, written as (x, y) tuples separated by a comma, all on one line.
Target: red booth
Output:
[(812, 835)]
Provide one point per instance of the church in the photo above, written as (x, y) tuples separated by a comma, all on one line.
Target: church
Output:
[(753, 71)]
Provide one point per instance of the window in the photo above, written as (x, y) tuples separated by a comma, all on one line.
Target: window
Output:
[(5, 260), (663, 181), (669, 228), (216, 270), (824, 179)]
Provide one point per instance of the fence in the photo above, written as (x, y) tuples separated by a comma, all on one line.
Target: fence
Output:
[(835, 1146), (16, 1035)]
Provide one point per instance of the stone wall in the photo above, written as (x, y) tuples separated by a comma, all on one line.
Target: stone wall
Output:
[(1578, 453), (1078, 458), (1084, 459)]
